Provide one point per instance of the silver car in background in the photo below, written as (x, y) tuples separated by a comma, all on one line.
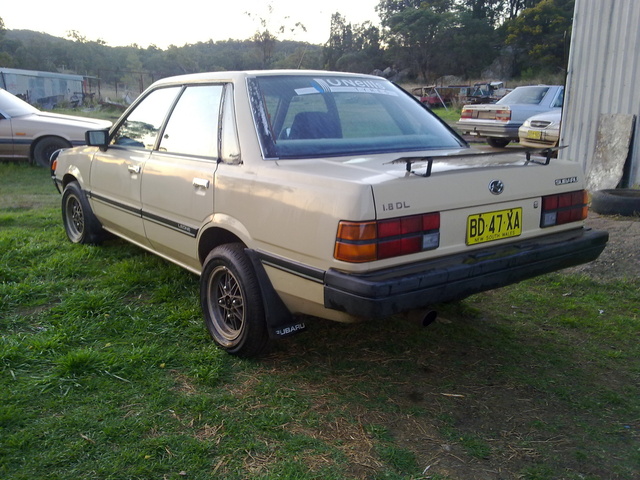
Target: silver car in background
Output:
[(27, 133)]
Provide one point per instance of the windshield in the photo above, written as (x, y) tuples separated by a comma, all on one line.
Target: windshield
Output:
[(314, 116), (12, 106), (524, 96)]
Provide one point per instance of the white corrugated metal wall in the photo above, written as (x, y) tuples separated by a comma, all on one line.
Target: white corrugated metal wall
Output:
[(603, 76)]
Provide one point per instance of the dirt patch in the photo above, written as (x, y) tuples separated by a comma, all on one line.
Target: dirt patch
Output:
[(621, 257)]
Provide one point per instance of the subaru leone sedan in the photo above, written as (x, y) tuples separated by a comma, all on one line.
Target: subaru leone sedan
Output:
[(26, 133), (327, 194)]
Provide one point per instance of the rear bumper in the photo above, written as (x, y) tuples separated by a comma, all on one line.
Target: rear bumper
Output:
[(414, 286), (489, 129)]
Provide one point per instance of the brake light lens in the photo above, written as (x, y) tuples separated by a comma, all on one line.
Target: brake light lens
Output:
[(466, 113), (564, 208), (503, 115), (359, 242)]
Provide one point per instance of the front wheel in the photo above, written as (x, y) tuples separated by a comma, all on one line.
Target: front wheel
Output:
[(80, 223), (44, 149), (231, 302)]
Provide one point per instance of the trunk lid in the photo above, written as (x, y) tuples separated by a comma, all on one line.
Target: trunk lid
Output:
[(486, 112)]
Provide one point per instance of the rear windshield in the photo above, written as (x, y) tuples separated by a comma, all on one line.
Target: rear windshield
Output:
[(524, 96), (309, 116)]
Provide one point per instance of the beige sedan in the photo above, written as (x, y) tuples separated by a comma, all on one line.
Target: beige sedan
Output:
[(542, 130), (29, 134)]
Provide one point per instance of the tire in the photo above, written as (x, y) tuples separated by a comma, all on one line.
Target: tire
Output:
[(80, 223), (45, 147), (231, 301), (498, 142), (617, 201)]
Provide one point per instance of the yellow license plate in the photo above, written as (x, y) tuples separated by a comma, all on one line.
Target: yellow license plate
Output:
[(534, 134), (487, 227)]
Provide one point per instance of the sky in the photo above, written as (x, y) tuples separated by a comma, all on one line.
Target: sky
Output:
[(180, 22)]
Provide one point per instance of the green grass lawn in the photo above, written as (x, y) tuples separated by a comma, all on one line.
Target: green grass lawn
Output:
[(106, 372), (449, 115)]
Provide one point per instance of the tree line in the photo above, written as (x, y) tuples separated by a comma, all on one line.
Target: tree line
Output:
[(464, 38), (425, 39)]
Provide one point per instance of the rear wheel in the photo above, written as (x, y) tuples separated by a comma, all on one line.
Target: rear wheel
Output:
[(498, 142), (80, 223), (231, 302)]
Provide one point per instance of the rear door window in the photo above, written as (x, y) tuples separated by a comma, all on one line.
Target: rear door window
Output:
[(192, 128)]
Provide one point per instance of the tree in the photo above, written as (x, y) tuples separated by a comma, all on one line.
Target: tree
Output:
[(5, 58), (496, 11), (417, 35), (515, 7), (352, 48), (388, 8), (265, 40), (540, 36), (340, 41), (489, 10), (472, 46)]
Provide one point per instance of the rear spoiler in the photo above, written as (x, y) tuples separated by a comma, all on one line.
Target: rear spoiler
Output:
[(544, 152)]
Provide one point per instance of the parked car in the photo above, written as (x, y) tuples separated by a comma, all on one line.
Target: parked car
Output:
[(30, 134), (485, 92), (542, 130), (499, 122), (433, 96), (327, 194)]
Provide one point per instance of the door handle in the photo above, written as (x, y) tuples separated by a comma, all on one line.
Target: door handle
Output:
[(201, 182), (134, 168)]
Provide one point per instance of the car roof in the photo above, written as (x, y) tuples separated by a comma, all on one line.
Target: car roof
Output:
[(235, 76)]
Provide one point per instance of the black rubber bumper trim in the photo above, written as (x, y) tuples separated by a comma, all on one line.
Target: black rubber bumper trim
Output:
[(399, 289)]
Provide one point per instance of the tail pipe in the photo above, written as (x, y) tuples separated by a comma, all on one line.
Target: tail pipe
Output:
[(424, 317)]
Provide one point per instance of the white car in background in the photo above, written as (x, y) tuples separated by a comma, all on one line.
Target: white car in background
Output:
[(30, 134), (542, 130)]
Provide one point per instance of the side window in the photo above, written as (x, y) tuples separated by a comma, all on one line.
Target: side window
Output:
[(141, 127), (192, 128), (559, 99)]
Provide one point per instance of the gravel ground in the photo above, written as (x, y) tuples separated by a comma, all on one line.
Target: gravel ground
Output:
[(621, 257)]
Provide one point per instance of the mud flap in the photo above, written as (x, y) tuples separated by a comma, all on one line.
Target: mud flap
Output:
[(280, 322)]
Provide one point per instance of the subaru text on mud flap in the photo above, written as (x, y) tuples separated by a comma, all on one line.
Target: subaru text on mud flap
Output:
[(327, 194)]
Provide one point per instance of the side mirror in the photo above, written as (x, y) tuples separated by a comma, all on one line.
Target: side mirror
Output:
[(97, 138)]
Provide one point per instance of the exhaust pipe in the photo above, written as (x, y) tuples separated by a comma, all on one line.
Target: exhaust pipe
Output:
[(424, 318)]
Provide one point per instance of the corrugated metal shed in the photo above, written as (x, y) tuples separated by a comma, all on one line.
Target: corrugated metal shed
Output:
[(42, 88), (603, 73)]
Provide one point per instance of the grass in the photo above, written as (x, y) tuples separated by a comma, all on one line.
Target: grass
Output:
[(106, 372), (450, 115), (105, 113)]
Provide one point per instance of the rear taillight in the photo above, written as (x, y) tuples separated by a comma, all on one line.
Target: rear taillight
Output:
[(359, 242), (466, 113), (503, 115), (564, 208)]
